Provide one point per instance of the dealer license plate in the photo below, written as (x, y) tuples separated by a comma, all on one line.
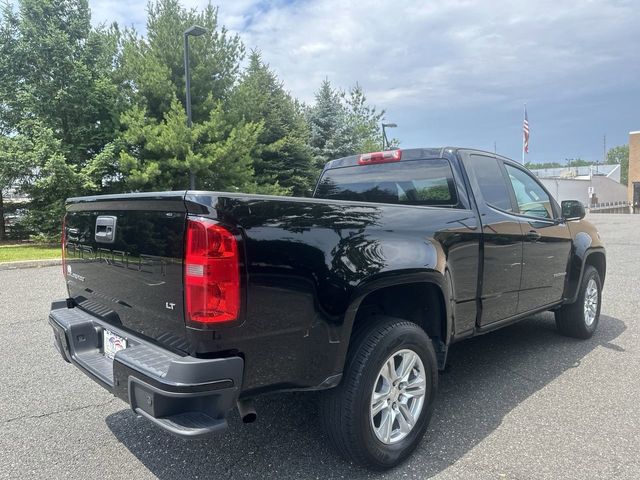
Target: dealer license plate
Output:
[(112, 343)]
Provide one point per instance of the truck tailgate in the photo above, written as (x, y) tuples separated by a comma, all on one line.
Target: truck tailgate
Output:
[(124, 259)]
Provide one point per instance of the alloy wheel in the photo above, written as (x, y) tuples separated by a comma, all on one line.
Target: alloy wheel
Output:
[(398, 396)]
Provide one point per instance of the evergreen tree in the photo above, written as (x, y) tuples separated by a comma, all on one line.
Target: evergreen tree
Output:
[(364, 121), (343, 124), (156, 150), (160, 154), (153, 66), (326, 118), (284, 156)]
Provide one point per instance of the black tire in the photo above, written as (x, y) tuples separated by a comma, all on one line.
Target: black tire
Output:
[(571, 319), (345, 410)]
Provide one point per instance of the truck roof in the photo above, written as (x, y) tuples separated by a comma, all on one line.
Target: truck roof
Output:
[(407, 154), (410, 154)]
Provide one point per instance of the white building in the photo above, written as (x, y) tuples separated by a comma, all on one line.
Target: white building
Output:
[(591, 184)]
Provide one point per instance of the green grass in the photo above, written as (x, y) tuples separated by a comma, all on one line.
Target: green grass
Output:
[(14, 253)]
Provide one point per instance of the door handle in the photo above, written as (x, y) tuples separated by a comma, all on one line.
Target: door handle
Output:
[(533, 236)]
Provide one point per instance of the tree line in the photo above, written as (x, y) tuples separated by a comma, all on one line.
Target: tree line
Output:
[(95, 110)]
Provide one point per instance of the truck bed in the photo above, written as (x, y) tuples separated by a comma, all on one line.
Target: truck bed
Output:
[(315, 256)]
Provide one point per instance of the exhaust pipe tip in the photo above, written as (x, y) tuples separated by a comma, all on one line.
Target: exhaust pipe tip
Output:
[(247, 411)]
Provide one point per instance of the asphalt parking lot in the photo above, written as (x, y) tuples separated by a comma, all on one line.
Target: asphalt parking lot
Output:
[(522, 402)]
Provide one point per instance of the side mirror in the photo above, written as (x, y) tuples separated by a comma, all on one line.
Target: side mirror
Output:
[(572, 210)]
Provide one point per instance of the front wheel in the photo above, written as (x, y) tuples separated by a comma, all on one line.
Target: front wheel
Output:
[(580, 319), (380, 411)]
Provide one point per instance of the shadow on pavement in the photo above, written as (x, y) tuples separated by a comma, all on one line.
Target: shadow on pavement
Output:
[(486, 378)]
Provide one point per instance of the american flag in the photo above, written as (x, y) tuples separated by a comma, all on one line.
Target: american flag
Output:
[(525, 132)]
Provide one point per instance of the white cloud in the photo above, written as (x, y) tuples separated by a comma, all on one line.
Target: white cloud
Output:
[(131, 13), (405, 51), (471, 50), (420, 59)]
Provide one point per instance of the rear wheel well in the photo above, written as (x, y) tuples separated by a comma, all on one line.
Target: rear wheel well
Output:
[(420, 303), (598, 261)]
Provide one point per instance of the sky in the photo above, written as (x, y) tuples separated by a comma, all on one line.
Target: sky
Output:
[(454, 72)]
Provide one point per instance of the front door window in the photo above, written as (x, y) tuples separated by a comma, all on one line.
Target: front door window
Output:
[(532, 200)]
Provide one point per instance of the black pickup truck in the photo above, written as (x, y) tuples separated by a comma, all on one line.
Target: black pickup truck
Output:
[(187, 305)]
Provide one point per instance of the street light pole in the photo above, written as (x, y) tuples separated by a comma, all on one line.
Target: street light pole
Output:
[(194, 31), (384, 136), (384, 133)]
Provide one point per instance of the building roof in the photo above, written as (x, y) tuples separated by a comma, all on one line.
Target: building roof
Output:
[(611, 171)]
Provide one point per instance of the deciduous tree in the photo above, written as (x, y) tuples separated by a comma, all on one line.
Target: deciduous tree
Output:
[(620, 156), (58, 93)]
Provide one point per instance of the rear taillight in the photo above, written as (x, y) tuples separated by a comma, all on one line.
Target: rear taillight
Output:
[(380, 157), (211, 273), (63, 240)]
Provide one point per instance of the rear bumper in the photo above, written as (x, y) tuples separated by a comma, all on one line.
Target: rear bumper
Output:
[(186, 396)]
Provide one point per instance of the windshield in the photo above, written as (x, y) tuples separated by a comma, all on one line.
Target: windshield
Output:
[(415, 182)]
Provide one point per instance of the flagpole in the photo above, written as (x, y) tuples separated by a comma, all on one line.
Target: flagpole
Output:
[(523, 117)]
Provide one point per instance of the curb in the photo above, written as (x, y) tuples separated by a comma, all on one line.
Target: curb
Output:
[(30, 264)]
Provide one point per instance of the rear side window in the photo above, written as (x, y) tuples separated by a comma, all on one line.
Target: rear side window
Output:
[(414, 182), (493, 187)]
